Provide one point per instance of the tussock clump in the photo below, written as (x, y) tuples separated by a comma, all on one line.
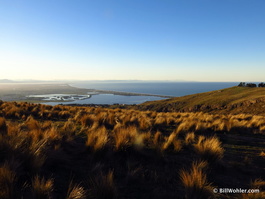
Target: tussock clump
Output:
[(262, 154), (186, 126), (125, 136), (172, 141), (76, 192), (79, 114), (33, 154), (190, 138), (32, 124), (103, 187), (42, 188), (160, 120), (97, 139), (3, 126), (158, 140), (7, 182), (64, 114), (52, 134), (61, 141), (209, 148), (258, 185), (69, 127), (145, 123), (256, 121), (195, 182), (87, 120)]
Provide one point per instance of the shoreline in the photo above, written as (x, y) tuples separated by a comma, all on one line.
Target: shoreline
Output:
[(22, 91)]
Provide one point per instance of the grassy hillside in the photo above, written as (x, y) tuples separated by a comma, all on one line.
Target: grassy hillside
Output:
[(50, 152), (234, 100)]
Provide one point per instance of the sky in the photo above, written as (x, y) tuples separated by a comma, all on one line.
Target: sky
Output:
[(173, 40)]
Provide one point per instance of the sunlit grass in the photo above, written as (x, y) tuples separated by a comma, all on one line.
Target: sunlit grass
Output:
[(195, 182), (100, 145)]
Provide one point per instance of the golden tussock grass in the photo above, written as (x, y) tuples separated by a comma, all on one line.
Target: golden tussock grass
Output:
[(7, 182), (46, 140), (173, 141), (97, 138), (160, 120), (125, 136), (145, 123), (158, 140), (186, 126), (69, 127), (76, 192), (190, 138), (42, 188), (3, 126), (195, 182), (258, 185), (87, 120), (31, 123), (209, 148), (262, 154)]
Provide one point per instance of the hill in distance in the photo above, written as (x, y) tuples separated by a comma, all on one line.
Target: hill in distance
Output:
[(234, 100)]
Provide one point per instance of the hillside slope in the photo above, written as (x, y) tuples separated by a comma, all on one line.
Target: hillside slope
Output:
[(65, 152), (234, 100)]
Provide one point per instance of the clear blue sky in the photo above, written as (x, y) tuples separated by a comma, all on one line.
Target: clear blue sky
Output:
[(194, 40)]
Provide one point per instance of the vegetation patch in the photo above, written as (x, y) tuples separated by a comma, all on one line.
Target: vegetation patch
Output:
[(93, 152)]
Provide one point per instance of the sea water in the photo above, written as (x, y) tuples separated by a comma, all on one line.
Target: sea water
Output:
[(174, 89)]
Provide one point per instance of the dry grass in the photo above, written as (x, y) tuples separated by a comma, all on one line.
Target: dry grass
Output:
[(259, 185), (76, 192), (7, 182), (158, 140), (3, 127), (190, 138), (195, 182), (103, 187), (173, 141), (125, 137), (209, 148), (58, 141), (97, 139), (42, 188)]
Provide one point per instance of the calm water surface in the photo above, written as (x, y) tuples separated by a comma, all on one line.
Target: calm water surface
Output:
[(175, 89)]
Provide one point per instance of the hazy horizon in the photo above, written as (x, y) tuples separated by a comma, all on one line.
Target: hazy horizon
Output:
[(151, 40), (115, 81)]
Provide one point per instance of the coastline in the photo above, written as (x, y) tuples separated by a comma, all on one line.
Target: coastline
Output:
[(35, 92)]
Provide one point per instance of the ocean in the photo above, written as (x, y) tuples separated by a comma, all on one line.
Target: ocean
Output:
[(175, 89)]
